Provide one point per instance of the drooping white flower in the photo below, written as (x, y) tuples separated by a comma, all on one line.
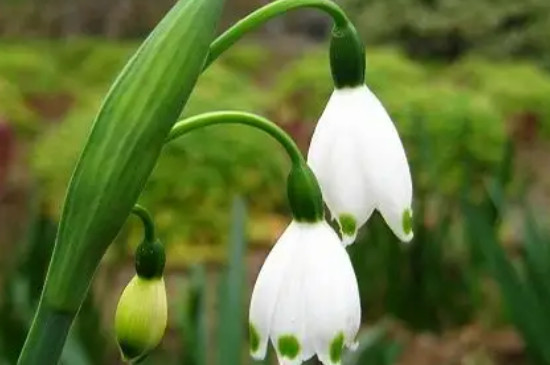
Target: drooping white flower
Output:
[(306, 299), (360, 163)]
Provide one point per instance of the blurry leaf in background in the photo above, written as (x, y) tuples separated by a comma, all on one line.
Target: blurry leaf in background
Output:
[(74, 353), (23, 282), (21, 292), (537, 258), (528, 313), (524, 293), (374, 348), (193, 320), (7, 151), (231, 303)]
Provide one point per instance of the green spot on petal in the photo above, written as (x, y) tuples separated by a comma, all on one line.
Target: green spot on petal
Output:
[(130, 351), (336, 348), (348, 224), (288, 346), (407, 221), (254, 338)]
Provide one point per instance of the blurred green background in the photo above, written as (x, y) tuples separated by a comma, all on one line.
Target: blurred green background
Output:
[(466, 82)]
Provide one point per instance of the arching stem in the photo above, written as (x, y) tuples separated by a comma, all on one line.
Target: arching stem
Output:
[(270, 11), (304, 193), (147, 220), (235, 117)]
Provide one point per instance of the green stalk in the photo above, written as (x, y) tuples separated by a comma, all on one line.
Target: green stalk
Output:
[(304, 193), (234, 117), (262, 15), (147, 220)]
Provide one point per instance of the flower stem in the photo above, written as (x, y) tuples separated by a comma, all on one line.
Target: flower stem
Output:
[(147, 220), (262, 15), (234, 117), (304, 193)]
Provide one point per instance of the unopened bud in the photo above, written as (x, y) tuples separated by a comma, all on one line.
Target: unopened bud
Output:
[(141, 317)]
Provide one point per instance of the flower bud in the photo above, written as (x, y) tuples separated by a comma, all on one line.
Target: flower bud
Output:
[(141, 317)]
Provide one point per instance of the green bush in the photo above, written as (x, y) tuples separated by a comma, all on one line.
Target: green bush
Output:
[(448, 29)]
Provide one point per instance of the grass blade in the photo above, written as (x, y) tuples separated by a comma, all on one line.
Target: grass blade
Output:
[(231, 307)]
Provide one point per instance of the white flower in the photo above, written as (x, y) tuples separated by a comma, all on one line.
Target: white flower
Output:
[(306, 298), (360, 163)]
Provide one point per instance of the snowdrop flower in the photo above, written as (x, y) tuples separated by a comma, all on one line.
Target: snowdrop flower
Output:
[(360, 163), (306, 299), (357, 155)]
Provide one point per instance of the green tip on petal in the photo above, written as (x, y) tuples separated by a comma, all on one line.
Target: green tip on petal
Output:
[(336, 348), (407, 221), (348, 224), (288, 346), (254, 338), (130, 352)]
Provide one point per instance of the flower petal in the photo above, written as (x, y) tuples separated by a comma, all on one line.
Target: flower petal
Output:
[(384, 164), (332, 295), (334, 159), (289, 334), (266, 291)]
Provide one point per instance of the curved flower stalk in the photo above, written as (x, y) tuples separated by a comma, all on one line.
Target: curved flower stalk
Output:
[(356, 152), (306, 299)]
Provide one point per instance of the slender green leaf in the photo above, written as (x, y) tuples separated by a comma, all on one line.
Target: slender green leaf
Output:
[(193, 323), (232, 291), (374, 348), (537, 261), (526, 311)]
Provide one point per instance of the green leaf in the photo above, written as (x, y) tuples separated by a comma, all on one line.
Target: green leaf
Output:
[(537, 260), (74, 352), (374, 348), (193, 322), (231, 329), (526, 310)]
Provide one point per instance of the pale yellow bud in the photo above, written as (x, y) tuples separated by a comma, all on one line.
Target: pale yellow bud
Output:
[(141, 317)]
